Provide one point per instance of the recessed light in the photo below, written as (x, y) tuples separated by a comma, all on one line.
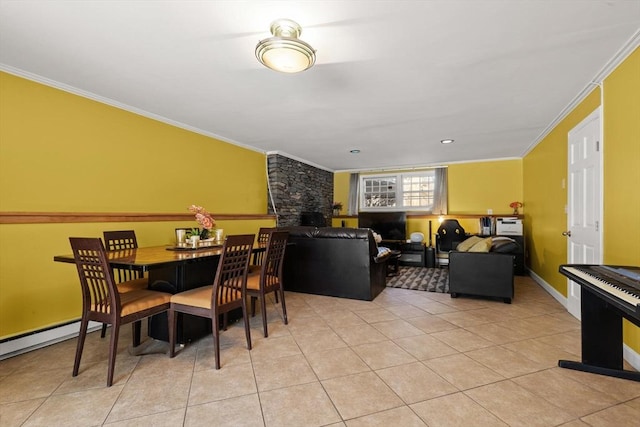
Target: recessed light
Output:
[(355, 151), (446, 141)]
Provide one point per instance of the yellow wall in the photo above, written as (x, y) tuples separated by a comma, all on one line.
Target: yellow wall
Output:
[(64, 153), (472, 190), (341, 191), (622, 172), (472, 187), (476, 187), (546, 166), (68, 153), (621, 167)]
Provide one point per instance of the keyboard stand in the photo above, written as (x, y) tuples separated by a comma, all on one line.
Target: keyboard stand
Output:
[(617, 373), (601, 339)]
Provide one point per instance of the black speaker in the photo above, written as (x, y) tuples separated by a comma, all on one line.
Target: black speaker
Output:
[(430, 235), (430, 262)]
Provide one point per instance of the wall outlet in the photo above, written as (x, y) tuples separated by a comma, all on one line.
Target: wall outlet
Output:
[(490, 211)]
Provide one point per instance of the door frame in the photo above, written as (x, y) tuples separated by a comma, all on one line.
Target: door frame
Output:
[(573, 303)]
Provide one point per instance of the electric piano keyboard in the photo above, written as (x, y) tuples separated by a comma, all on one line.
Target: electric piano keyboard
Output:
[(621, 283), (608, 294)]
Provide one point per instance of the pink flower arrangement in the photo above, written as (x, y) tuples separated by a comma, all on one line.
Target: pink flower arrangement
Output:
[(203, 218)]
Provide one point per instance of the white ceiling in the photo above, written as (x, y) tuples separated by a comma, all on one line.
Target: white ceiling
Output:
[(392, 78)]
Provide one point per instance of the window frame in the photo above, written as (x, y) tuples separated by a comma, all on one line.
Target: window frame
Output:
[(399, 191)]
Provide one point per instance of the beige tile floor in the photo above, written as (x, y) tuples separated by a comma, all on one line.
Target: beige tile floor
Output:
[(409, 358)]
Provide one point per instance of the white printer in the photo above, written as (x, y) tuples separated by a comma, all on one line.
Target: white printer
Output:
[(509, 226)]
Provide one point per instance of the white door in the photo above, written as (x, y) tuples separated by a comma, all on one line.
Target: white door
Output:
[(584, 207)]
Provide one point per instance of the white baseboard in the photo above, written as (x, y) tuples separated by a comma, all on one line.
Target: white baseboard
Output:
[(631, 357), (42, 339), (628, 353), (550, 289)]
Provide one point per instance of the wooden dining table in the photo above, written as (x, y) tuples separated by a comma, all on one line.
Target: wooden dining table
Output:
[(152, 257), (171, 269)]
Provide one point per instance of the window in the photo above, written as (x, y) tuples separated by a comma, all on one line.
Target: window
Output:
[(379, 192), (416, 191)]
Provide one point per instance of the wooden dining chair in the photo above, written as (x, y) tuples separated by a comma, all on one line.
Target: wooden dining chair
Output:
[(258, 256), (269, 278), (227, 293), (126, 279), (102, 302)]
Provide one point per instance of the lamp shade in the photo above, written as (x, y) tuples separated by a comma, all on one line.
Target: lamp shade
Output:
[(285, 52)]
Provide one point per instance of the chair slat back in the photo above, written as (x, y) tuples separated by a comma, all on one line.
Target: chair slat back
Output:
[(231, 277), (99, 294), (120, 240), (271, 272), (263, 234), (263, 239)]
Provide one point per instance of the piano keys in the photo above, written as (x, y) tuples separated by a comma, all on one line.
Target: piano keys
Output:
[(608, 294), (614, 281)]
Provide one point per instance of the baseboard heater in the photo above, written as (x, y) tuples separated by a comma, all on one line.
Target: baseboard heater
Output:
[(35, 340)]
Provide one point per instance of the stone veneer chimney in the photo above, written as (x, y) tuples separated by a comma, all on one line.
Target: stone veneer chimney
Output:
[(297, 187)]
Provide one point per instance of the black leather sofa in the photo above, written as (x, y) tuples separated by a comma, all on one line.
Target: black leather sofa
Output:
[(488, 274), (484, 274), (340, 262)]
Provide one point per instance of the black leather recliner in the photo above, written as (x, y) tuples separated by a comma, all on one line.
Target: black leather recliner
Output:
[(340, 262)]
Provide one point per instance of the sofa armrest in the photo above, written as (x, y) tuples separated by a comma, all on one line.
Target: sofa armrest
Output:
[(383, 255)]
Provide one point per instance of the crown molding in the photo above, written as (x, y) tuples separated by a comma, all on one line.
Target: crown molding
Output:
[(623, 53), (298, 159), (425, 166)]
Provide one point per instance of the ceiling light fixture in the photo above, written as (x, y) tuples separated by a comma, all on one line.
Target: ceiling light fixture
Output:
[(446, 141), (284, 52), (355, 151)]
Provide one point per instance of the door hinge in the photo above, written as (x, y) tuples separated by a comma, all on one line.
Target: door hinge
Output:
[(597, 225), (597, 145)]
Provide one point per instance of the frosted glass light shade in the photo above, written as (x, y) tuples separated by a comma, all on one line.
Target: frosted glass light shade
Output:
[(285, 52)]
